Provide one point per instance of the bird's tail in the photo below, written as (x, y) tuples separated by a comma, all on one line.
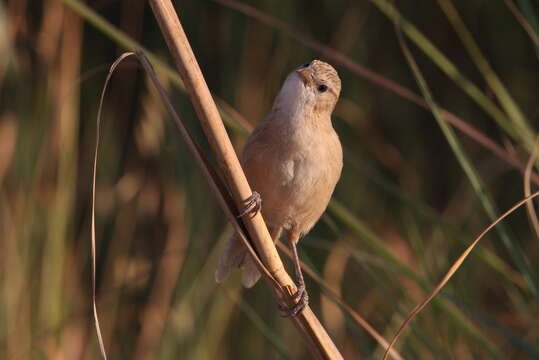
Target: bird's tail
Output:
[(235, 256)]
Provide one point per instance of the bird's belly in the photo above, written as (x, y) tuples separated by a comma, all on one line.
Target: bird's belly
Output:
[(295, 180), (302, 192)]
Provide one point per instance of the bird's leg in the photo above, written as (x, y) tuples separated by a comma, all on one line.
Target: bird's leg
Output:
[(300, 283), (253, 204), (301, 293)]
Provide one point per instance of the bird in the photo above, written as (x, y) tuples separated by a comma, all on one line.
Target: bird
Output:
[(293, 161)]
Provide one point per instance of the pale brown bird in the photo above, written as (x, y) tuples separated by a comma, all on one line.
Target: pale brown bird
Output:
[(293, 159)]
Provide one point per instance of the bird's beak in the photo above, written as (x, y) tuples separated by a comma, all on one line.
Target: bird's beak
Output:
[(305, 75)]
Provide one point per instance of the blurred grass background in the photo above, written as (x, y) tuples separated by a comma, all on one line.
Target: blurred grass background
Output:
[(407, 204)]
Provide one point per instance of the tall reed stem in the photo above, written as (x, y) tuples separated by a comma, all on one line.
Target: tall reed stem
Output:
[(306, 322)]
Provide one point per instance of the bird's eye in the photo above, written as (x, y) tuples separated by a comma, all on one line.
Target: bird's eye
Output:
[(305, 65), (322, 88)]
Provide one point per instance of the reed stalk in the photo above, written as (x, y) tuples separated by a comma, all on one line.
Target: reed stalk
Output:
[(306, 322)]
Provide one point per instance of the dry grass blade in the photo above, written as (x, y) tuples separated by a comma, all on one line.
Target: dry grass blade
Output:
[(340, 59), (532, 214), (452, 271), (94, 174)]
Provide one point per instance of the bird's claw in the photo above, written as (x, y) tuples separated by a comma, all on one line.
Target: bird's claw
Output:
[(295, 309), (253, 204), (299, 292)]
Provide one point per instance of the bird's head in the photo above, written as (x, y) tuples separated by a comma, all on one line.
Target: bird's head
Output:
[(312, 88)]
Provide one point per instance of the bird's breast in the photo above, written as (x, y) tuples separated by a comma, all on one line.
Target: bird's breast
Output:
[(308, 162)]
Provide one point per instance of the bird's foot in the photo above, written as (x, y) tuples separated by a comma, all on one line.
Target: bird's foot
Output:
[(295, 309), (253, 204)]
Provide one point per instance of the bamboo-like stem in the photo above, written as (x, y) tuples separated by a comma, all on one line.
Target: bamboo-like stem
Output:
[(306, 322)]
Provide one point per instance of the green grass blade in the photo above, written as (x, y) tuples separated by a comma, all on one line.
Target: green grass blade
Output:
[(448, 67), (470, 171), (492, 79)]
